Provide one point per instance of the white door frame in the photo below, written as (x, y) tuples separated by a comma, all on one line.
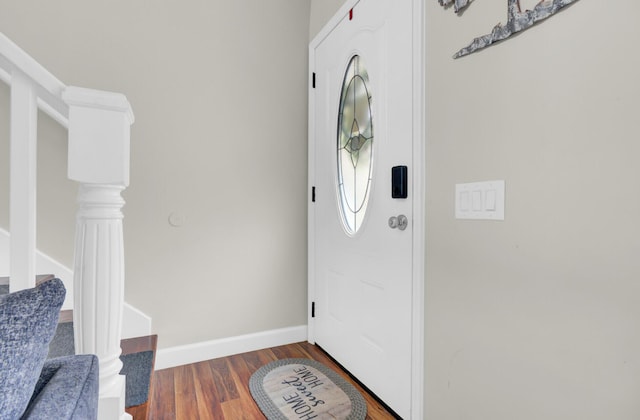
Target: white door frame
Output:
[(418, 178)]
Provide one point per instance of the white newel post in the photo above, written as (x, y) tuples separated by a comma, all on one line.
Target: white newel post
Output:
[(99, 129)]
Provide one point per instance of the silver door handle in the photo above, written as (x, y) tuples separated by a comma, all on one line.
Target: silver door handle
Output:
[(401, 222)]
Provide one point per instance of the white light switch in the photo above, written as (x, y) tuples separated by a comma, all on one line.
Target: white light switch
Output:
[(490, 200), (480, 200), (464, 201), (476, 200)]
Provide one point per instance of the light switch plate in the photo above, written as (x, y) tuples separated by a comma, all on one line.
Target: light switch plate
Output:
[(480, 200)]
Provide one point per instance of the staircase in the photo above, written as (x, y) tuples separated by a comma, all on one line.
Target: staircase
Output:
[(140, 346), (98, 125), (138, 357)]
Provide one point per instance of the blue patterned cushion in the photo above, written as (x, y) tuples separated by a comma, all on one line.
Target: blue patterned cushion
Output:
[(28, 320), (67, 389)]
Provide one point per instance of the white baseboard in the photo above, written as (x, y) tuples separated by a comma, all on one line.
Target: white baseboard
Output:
[(44, 265), (47, 265), (197, 352), (135, 323)]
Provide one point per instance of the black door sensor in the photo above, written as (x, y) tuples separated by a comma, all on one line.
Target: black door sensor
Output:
[(399, 182)]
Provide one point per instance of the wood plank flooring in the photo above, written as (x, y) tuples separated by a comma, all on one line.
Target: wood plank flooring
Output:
[(219, 389)]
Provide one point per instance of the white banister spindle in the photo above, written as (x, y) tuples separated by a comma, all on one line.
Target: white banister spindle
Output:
[(23, 158), (99, 129)]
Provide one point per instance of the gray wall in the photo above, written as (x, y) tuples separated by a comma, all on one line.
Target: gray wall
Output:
[(534, 317), (219, 93), (321, 12), (531, 318)]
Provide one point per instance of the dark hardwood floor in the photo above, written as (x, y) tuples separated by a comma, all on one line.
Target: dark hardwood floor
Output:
[(219, 389)]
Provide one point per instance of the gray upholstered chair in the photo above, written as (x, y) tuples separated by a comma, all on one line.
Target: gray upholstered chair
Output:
[(32, 387)]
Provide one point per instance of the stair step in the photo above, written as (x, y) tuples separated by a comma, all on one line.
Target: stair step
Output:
[(4, 281), (137, 345), (65, 316), (41, 278)]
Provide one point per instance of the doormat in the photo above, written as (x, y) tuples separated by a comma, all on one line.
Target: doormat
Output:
[(305, 389)]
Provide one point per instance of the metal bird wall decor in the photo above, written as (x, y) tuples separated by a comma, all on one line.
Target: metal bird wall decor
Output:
[(518, 21)]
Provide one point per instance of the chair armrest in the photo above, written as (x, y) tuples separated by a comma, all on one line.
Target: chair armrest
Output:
[(67, 389)]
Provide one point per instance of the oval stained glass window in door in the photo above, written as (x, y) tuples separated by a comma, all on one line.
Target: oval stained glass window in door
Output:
[(355, 145)]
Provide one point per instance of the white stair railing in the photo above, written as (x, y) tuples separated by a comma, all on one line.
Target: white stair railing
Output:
[(99, 133)]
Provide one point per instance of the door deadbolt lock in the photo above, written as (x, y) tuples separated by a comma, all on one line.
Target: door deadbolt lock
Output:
[(399, 222)]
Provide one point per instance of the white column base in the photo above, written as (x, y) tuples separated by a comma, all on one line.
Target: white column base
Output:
[(99, 290), (111, 402)]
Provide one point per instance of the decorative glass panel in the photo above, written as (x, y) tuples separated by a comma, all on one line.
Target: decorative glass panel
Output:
[(355, 145)]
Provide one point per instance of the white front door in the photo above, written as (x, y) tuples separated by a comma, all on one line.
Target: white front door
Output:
[(361, 226)]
